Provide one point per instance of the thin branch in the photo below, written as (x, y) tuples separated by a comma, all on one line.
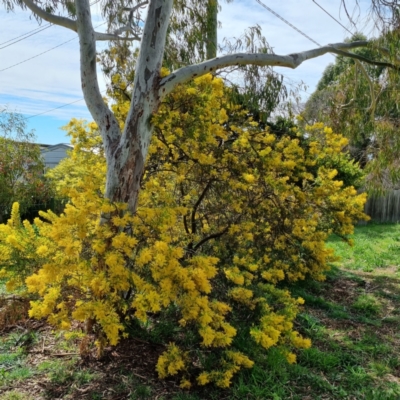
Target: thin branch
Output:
[(54, 19), (184, 217), (386, 52), (209, 237), (372, 107), (365, 59), (71, 24), (128, 26), (184, 74), (90, 86), (197, 204)]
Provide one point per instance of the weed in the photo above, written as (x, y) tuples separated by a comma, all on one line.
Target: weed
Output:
[(13, 375), (379, 369), (368, 304), (323, 361), (141, 392), (14, 395)]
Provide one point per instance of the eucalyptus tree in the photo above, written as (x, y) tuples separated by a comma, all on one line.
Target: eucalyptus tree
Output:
[(126, 150), (361, 102)]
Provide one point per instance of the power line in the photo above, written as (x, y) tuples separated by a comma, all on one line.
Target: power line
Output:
[(325, 11), (44, 52), (31, 33), (287, 22), (56, 108), (37, 55), (25, 35)]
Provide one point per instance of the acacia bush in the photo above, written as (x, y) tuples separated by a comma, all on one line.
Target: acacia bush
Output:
[(229, 214)]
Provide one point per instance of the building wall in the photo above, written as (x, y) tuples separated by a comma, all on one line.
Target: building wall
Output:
[(53, 155)]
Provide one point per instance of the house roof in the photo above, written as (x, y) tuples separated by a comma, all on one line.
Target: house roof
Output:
[(44, 148)]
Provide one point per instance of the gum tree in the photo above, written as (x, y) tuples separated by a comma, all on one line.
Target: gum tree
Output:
[(126, 150)]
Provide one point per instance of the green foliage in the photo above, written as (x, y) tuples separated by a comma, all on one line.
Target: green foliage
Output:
[(367, 304), (360, 101), (14, 395), (21, 166)]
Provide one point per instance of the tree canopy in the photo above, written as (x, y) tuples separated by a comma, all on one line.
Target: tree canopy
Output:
[(21, 166), (361, 101)]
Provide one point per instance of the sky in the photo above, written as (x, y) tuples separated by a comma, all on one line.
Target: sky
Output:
[(40, 85)]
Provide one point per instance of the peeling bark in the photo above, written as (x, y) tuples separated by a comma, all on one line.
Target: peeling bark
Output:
[(126, 169)]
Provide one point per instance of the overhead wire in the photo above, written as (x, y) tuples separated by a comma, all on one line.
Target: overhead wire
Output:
[(30, 33), (296, 84), (287, 22), (258, 1), (61, 44), (24, 36), (56, 108), (294, 27), (37, 55), (44, 52), (327, 12)]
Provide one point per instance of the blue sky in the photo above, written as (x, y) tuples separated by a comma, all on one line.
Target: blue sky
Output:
[(51, 80)]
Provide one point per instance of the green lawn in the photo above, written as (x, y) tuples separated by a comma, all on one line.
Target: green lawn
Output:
[(353, 319), (376, 246)]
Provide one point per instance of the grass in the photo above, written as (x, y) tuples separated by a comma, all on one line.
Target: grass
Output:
[(377, 246), (353, 319)]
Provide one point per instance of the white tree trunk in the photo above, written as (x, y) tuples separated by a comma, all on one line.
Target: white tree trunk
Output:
[(126, 151), (126, 166)]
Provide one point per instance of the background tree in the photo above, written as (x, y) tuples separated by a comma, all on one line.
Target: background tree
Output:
[(21, 166), (361, 102)]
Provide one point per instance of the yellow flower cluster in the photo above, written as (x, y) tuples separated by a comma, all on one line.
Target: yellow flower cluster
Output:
[(227, 211), (231, 363), (171, 361)]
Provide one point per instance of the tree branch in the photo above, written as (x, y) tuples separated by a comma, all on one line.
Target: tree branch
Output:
[(197, 204), (184, 74), (103, 116), (372, 107), (113, 36), (71, 24), (54, 19), (128, 26), (207, 238)]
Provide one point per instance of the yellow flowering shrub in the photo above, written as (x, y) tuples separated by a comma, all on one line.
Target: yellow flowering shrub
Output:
[(227, 212)]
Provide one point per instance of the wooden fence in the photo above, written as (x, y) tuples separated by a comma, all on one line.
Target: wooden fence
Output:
[(384, 208)]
